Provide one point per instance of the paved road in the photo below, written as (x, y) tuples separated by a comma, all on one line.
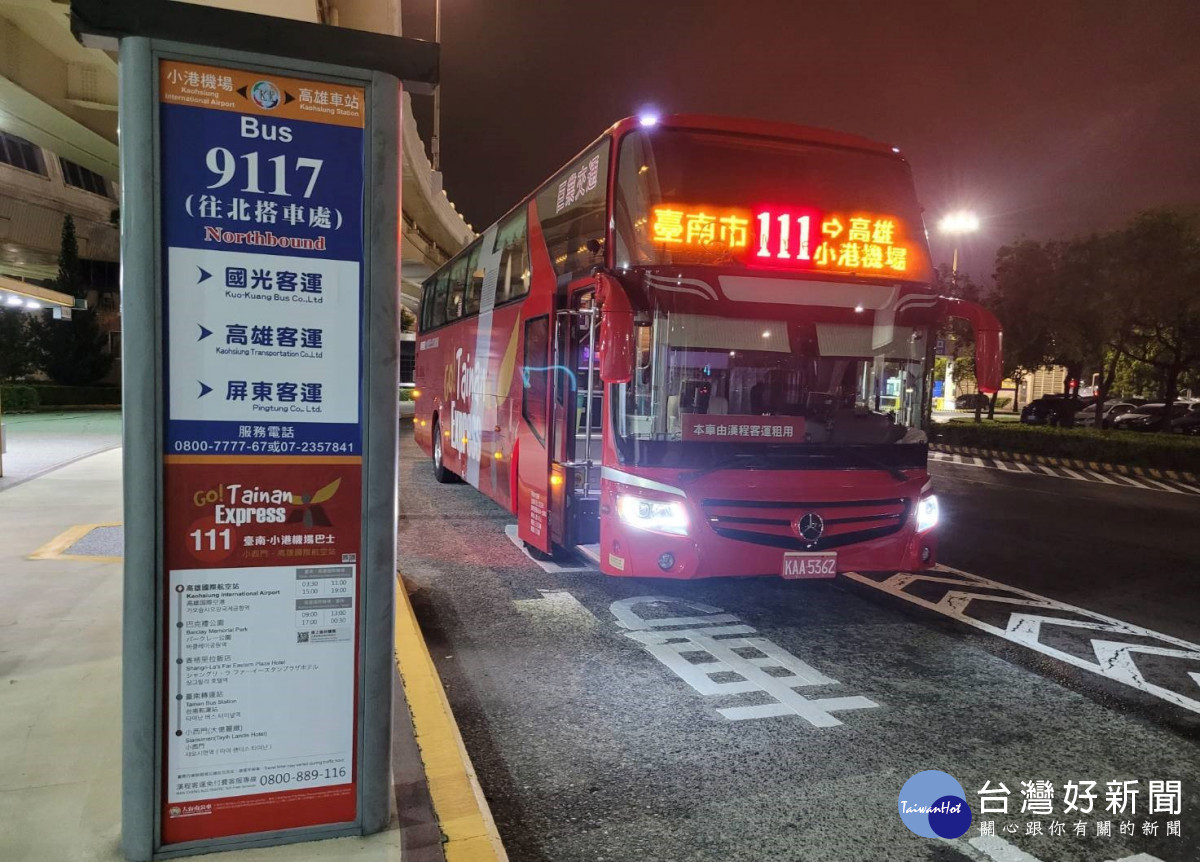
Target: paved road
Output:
[(40, 442), (598, 734)]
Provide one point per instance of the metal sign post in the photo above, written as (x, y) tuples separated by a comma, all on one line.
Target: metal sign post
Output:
[(260, 198)]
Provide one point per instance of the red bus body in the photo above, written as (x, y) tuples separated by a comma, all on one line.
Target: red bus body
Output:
[(689, 380)]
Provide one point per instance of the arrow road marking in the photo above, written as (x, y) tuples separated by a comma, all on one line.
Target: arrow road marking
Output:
[(1114, 657)]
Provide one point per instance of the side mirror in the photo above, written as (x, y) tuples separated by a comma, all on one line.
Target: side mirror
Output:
[(615, 347), (989, 341)]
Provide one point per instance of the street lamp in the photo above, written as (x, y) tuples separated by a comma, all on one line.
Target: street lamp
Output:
[(958, 223)]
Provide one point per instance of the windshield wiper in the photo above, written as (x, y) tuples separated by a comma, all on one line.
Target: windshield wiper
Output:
[(751, 459), (892, 470)]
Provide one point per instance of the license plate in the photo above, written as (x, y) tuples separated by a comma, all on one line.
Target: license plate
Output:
[(800, 565)]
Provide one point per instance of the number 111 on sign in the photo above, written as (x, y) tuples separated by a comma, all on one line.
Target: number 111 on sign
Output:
[(212, 540), (793, 241)]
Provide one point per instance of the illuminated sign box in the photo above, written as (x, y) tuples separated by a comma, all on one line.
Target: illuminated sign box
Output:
[(786, 237)]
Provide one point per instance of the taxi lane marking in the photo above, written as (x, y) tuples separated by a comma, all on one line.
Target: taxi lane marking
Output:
[(714, 643), (1114, 657)]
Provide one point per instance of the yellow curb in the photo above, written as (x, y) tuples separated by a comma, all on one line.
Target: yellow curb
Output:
[(458, 801), (56, 548)]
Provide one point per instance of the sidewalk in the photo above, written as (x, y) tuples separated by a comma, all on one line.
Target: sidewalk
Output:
[(60, 684)]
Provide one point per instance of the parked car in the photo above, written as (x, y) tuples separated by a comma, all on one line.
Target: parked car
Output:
[(1188, 423), (971, 400), (1150, 417), (1054, 410), (1112, 409)]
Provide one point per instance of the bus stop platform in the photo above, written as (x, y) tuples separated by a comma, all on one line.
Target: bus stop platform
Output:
[(60, 696)]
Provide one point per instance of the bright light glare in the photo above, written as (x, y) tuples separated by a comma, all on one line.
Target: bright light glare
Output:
[(32, 304), (14, 300), (959, 222), (661, 517), (927, 513), (648, 118)]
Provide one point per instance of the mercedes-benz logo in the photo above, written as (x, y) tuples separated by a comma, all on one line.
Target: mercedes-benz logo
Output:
[(809, 527)]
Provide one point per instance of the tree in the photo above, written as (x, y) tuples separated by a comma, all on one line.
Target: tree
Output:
[(408, 320), (71, 352), (16, 356), (70, 273), (1161, 253)]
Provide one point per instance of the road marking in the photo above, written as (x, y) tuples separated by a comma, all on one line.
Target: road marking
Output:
[(993, 848), (558, 608), (1162, 485), (716, 643), (1093, 476), (1114, 657)]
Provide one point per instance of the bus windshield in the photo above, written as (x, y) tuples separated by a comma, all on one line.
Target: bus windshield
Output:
[(787, 386), (715, 198)]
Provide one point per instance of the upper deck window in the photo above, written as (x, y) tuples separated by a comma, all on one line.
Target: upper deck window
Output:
[(721, 199), (20, 153)]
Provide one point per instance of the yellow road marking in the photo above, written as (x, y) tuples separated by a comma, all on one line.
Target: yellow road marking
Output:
[(458, 801), (56, 548)]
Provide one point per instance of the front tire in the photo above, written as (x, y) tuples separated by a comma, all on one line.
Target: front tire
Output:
[(439, 467)]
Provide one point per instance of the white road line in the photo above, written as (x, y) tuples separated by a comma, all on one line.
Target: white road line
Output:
[(993, 848), (1114, 656), (1131, 481), (1048, 471), (723, 638), (978, 461), (1162, 485), (1100, 477), (1023, 467), (558, 608), (1191, 489), (1072, 474)]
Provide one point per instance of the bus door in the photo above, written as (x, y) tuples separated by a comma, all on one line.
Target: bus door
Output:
[(577, 418)]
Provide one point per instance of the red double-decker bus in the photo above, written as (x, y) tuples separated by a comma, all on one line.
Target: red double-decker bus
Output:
[(703, 348)]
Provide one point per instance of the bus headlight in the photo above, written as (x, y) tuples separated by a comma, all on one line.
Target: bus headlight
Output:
[(668, 517), (927, 513)]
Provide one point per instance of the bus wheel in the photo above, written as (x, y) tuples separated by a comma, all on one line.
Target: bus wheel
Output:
[(439, 469)]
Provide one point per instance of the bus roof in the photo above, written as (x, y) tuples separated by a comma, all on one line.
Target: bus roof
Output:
[(765, 128)]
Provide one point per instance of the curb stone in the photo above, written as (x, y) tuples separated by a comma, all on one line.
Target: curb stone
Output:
[(1050, 461)]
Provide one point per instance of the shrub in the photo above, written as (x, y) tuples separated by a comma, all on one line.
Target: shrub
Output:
[(18, 399), (78, 396), (1162, 451), (406, 394)]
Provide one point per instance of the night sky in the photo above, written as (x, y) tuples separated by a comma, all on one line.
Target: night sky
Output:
[(1048, 118)]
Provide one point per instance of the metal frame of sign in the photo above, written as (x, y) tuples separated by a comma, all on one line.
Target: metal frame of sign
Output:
[(145, 613)]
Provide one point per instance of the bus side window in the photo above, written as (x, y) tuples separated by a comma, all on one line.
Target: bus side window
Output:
[(572, 210), (511, 242), (437, 311), (457, 280), (535, 375), (474, 282), (423, 317)]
